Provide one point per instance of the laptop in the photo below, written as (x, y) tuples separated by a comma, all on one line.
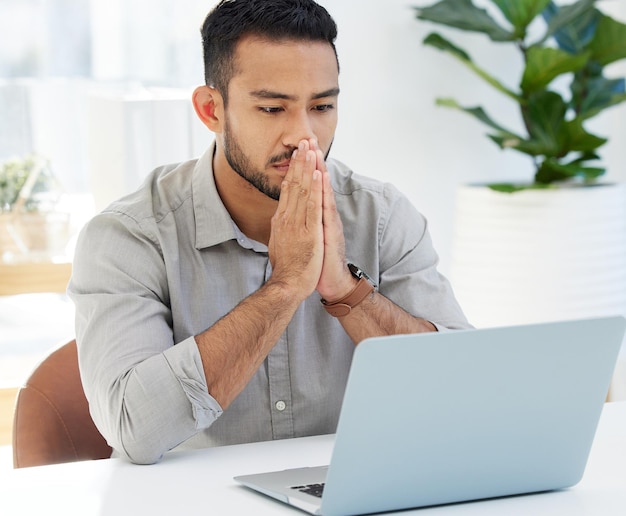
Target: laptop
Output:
[(448, 417)]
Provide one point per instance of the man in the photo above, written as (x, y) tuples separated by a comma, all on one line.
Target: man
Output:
[(216, 304)]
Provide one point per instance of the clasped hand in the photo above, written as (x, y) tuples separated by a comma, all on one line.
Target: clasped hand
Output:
[(306, 245)]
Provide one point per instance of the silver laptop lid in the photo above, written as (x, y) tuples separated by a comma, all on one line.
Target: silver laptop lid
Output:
[(440, 418)]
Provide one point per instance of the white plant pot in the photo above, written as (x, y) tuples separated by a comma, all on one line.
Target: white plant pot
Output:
[(540, 255)]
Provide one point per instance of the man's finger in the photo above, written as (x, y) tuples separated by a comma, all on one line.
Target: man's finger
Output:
[(304, 189), (314, 205)]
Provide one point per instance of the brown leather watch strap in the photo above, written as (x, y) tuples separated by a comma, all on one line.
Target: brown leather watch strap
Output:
[(344, 306)]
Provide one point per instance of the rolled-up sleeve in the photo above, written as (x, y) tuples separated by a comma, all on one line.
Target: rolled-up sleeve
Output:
[(147, 393)]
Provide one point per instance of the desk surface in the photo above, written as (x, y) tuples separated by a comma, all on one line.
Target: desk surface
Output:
[(200, 482)]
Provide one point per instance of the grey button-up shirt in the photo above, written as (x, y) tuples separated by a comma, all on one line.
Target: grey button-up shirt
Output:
[(166, 262)]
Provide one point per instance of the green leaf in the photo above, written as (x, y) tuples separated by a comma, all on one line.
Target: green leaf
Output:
[(609, 43), (438, 41), (510, 188), (592, 173), (543, 65), (478, 113), (592, 92), (464, 15), (521, 12), (586, 156), (574, 137), (544, 116), (552, 171), (549, 133), (554, 135), (573, 26), (505, 187), (503, 137), (530, 146)]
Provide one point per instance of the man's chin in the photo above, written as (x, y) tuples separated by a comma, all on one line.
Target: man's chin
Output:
[(273, 193)]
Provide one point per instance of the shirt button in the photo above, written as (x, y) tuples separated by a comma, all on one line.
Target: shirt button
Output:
[(280, 405)]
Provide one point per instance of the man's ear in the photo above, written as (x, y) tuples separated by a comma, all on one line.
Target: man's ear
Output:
[(209, 106)]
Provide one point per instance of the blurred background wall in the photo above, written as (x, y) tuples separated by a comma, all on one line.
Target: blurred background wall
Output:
[(102, 88)]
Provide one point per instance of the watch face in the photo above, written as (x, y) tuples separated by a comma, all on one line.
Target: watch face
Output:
[(356, 272), (359, 273)]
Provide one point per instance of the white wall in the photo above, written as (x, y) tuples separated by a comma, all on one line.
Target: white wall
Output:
[(390, 128)]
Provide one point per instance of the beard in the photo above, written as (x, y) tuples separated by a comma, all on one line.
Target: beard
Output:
[(242, 165)]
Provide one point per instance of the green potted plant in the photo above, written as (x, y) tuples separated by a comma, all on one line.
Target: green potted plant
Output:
[(550, 247), (578, 41), (29, 218)]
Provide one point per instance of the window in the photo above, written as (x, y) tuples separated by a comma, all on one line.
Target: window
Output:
[(57, 56)]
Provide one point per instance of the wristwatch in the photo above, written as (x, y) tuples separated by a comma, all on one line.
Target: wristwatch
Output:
[(363, 288)]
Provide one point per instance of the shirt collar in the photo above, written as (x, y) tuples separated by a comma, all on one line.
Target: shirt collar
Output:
[(214, 224)]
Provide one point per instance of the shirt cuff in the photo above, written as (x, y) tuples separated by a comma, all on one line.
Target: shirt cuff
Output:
[(186, 364)]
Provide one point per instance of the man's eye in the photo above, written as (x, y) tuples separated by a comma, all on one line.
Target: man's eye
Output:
[(270, 110), (324, 107)]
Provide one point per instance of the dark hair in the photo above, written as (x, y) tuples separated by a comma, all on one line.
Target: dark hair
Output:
[(230, 20)]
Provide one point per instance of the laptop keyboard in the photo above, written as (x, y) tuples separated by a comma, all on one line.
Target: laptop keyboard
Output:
[(311, 489)]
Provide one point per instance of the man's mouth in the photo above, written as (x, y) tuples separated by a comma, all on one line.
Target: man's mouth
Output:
[(282, 166)]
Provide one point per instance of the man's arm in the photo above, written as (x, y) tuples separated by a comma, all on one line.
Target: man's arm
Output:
[(234, 348), (375, 315)]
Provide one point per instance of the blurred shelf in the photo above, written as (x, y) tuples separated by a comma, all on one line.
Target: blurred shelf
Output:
[(32, 277), (7, 406)]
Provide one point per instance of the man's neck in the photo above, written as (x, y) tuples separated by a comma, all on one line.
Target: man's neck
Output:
[(251, 210)]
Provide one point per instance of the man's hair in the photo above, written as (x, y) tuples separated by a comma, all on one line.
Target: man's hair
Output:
[(275, 20)]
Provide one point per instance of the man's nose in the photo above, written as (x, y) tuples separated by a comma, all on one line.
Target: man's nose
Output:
[(299, 127)]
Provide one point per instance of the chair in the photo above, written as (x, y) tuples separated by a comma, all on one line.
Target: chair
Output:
[(52, 423)]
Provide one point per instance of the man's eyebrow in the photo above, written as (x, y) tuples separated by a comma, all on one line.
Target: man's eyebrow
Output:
[(269, 94), (333, 92)]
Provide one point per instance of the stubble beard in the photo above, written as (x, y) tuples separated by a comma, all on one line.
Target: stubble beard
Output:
[(241, 164)]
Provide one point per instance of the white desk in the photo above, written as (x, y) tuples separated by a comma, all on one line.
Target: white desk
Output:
[(200, 482)]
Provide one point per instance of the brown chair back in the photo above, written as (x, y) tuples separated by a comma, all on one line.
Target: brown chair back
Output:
[(52, 423)]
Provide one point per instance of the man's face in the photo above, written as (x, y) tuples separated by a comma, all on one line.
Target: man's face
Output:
[(281, 93)]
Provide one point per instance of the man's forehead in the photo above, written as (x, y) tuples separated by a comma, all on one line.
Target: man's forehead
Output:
[(263, 51), (285, 69)]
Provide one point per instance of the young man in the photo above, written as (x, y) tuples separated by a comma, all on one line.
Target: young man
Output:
[(221, 302)]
